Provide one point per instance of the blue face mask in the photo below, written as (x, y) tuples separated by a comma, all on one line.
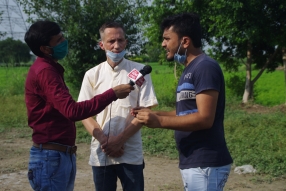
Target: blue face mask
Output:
[(180, 58), (60, 51), (115, 57)]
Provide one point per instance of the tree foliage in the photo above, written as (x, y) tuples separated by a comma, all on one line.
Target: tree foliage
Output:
[(240, 32), (80, 21), (14, 51)]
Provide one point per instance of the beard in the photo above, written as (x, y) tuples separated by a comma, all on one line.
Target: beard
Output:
[(170, 59)]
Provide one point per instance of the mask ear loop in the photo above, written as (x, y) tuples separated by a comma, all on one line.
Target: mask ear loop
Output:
[(179, 48)]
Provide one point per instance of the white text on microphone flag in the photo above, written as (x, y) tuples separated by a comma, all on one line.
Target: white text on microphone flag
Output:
[(136, 77)]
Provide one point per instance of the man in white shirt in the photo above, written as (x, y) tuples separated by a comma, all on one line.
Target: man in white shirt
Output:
[(116, 146)]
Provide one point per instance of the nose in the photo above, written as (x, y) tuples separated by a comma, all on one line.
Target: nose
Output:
[(163, 43), (116, 45)]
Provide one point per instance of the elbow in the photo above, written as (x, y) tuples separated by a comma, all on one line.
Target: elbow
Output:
[(208, 126), (207, 123), (74, 116)]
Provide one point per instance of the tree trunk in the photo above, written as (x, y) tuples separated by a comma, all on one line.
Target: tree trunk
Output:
[(284, 63), (248, 90)]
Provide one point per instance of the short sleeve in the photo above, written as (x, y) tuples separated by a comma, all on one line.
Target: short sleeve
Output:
[(86, 90), (207, 76), (147, 97)]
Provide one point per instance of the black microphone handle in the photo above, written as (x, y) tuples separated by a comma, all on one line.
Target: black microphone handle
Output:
[(131, 83)]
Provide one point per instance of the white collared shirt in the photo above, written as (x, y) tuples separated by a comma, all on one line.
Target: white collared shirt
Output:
[(101, 78)]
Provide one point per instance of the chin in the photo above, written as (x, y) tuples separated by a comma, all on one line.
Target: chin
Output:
[(170, 59)]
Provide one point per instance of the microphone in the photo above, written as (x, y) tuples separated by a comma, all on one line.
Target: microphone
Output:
[(137, 77)]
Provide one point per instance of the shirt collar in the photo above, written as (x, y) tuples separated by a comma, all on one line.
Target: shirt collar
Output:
[(118, 67), (50, 61)]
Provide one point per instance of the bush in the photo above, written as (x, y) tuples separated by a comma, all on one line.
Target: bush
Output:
[(235, 84), (14, 51)]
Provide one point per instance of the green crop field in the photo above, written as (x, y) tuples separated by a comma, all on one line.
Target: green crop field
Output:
[(255, 134)]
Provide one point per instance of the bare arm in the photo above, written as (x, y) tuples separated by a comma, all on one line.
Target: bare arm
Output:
[(116, 142), (203, 119), (94, 129), (165, 113), (134, 112)]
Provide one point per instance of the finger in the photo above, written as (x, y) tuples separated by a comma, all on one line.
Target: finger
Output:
[(140, 115), (142, 122), (105, 146)]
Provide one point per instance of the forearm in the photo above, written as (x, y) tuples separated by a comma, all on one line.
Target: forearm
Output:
[(92, 127), (190, 122), (165, 113), (115, 144), (130, 130)]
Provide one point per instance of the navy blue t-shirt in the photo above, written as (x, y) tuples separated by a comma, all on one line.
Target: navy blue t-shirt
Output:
[(204, 148)]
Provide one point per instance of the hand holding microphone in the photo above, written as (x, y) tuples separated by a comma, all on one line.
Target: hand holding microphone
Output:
[(123, 90)]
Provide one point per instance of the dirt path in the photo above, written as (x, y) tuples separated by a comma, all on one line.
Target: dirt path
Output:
[(161, 174)]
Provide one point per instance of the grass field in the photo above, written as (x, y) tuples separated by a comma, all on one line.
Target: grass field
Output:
[(12, 80), (255, 134)]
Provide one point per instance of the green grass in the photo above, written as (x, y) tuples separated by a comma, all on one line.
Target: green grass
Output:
[(253, 138), (257, 139), (13, 112), (164, 84), (12, 80), (269, 89)]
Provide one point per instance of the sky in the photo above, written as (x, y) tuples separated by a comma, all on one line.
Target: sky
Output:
[(13, 20)]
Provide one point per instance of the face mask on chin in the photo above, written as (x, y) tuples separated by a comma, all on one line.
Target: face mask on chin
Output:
[(60, 50), (115, 57), (180, 58)]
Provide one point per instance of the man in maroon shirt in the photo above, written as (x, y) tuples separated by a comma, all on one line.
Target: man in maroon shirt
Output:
[(52, 112)]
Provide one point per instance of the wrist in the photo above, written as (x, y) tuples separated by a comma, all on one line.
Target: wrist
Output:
[(121, 139), (161, 120), (97, 134)]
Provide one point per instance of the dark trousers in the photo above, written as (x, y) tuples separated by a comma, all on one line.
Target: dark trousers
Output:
[(130, 176)]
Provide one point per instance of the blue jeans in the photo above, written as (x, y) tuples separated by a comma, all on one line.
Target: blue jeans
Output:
[(205, 178), (51, 170), (131, 177)]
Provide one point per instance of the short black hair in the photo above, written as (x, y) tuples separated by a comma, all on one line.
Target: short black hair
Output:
[(110, 24), (185, 24), (39, 34)]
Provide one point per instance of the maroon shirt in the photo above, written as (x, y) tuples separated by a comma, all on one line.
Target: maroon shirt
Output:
[(51, 109)]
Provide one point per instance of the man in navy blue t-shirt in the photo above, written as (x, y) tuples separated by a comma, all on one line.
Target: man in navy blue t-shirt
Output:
[(204, 159)]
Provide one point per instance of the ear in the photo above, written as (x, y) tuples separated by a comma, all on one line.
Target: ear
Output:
[(186, 42), (101, 45), (46, 50)]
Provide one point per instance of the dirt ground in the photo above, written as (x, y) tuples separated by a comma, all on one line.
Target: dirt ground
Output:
[(160, 173)]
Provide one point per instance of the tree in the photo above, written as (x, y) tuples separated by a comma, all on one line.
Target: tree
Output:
[(235, 30), (14, 51), (80, 21), (245, 29)]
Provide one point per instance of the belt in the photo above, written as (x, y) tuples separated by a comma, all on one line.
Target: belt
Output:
[(62, 148)]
